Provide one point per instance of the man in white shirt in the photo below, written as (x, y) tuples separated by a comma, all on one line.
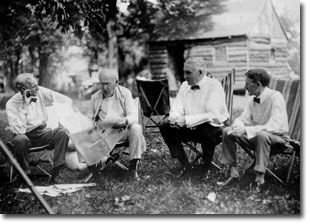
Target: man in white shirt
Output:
[(27, 117), (198, 114), (114, 107), (262, 124)]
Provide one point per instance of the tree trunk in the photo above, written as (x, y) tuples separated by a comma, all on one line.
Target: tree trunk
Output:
[(112, 39), (11, 69), (45, 78), (112, 45)]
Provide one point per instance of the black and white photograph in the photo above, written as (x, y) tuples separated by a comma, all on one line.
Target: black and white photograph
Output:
[(152, 107)]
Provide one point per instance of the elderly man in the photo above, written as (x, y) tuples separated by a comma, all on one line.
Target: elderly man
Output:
[(262, 124), (27, 116), (113, 106), (197, 114)]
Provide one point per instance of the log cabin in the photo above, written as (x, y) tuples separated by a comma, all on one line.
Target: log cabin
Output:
[(247, 34)]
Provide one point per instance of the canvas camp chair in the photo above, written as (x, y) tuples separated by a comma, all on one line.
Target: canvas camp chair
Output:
[(40, 158), (290, 90), (154, 99), (195, 153)]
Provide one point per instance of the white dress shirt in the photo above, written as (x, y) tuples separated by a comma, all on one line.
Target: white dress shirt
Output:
[(201, 105), (110, 109), (268, 115), (25, 117)]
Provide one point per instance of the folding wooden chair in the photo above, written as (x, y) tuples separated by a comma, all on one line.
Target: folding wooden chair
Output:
[(32, 163), (290, 90), (154, 99), (228, 85)]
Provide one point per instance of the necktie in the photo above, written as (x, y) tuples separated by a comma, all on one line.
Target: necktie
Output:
[(195, 87), (256, 100)]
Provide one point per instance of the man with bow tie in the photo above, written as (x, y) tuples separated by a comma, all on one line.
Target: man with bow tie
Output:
[(27, 117), (113, 107), (262, 124), (198, 114)]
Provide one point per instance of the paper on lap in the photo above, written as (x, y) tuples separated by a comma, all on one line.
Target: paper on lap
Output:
[(93, 145)]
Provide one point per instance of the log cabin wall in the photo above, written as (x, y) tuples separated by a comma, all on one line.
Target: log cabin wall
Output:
[(223, 54)]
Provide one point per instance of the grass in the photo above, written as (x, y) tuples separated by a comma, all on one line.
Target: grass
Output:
[(159, 191)]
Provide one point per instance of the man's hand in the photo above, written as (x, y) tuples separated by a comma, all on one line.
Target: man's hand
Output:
[(121, 123), (236, 130), (75, 109), (177, 122)]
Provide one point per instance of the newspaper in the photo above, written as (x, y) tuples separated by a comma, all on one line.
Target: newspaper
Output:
[(94, 144)]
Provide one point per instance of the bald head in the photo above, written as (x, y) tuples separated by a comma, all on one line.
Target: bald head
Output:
[(108, 75)]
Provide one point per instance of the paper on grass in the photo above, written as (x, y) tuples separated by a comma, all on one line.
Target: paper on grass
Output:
[(57, 189)]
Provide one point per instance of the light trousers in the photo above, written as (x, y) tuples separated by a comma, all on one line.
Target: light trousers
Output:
[(137, 144), (261, 144)]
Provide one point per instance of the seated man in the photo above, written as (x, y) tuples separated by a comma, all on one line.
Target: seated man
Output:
[(197, 114), (113, 106), (262, 124), (27, 117)]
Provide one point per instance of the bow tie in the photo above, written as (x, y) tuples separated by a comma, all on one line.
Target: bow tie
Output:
[(256, 100), (33, 99), (195, 87)]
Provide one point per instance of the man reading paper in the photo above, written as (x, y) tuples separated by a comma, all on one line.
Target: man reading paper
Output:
[(113, 107), (197, 114)]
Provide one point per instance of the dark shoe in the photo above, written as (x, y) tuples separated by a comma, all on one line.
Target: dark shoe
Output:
[(257, 187), (133, 175), (184, 172), (230, 180), (56, 180), (90, 177)]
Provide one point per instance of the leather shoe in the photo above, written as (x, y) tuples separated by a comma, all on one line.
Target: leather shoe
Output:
[(230, 180), (133, 175), (184, 172), (257, 187), (56, 180)]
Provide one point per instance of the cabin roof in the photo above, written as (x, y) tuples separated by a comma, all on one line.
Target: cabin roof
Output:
[(238, 19)]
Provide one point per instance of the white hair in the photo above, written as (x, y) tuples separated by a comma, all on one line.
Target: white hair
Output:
[(108, 73), (23, 80)]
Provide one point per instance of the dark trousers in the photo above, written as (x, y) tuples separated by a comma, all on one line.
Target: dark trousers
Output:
[(57, 139), (205, 134)]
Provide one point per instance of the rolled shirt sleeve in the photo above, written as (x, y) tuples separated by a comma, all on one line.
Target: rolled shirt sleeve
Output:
[(16, 118)]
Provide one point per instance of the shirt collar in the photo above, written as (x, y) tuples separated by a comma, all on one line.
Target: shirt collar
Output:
[(264, 95), (201, 82)]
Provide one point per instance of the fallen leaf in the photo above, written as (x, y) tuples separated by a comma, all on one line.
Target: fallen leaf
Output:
[(211, 196)]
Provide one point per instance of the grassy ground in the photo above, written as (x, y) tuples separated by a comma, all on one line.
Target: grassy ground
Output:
[(159, 191)]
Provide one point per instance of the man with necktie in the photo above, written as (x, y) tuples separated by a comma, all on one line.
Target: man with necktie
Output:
[(198, 114), (27, 116), (262, 124)]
